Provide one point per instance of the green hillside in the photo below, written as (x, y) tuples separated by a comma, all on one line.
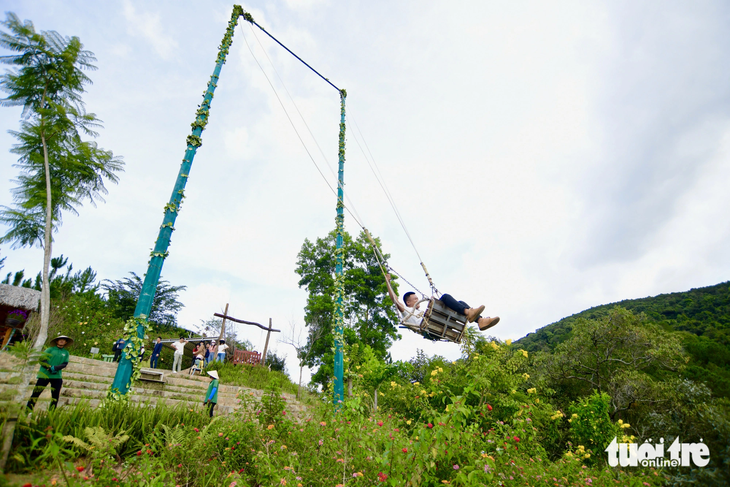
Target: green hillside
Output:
[(701, 316)]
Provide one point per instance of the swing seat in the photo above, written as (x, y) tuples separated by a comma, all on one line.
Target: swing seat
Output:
[(441, 322)]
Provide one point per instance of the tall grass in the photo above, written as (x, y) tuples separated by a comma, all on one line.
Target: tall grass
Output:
[(138, 420)]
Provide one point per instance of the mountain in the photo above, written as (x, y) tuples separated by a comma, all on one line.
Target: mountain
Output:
[(700, 316)]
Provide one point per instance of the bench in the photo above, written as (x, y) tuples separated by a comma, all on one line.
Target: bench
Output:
[(108, 358), (246, 357), (152, 375)]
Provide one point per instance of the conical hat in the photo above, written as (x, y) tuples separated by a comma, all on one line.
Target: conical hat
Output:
[(69, 340), (213, 374)]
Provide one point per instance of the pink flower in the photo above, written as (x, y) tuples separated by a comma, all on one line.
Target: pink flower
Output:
[(489, 407), (429, 425), (382, 477), (380, 423), (517, 439), (456, 467)]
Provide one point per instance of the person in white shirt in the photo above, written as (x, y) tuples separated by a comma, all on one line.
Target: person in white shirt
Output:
[(411, 315), (222, 351), (179, 349)]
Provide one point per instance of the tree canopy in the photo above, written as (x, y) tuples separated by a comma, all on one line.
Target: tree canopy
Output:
[(369, 315)]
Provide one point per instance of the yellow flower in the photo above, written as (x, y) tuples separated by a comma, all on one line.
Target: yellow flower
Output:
[(434, 372), (424, 392), (524, 352), (626, 425), (508, 342), (587, 455), (408, 422), (513, 391), (440, 369), (494, 345), (532, 391), (620, 422), (416, 383), (392, 383), (526, 375), (575, 415)]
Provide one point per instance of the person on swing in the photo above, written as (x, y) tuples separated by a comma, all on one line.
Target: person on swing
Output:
[(413, 316)]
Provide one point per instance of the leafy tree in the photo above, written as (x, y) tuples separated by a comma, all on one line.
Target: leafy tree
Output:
[(620, 354), (275, 362), (369, 315), (123, 294), (59, 170), (212, 328)]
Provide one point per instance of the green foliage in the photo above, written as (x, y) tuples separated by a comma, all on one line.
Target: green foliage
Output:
[(251, 376), (122, 296), (702, 314), (591, 427), (368, 313)]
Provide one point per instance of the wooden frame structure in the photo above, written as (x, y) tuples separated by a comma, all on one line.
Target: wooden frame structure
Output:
[(440, 322)]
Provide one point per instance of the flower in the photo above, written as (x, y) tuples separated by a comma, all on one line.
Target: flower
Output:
[(532, 391), (456, 467), (508, 342), (434, 372), (139, 453), (517, 439), (357, 474), (382, 477), (429, 425), (220, 434), (322, 423), (524, 352), (380, 423), (270, 427), (489, 407)]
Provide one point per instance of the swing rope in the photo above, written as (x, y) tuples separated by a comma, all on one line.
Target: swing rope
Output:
[(350, 208)]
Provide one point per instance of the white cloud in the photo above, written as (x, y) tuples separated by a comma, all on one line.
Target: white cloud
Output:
[(149, 26)]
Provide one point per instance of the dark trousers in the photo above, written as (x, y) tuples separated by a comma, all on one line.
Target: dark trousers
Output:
[(117, 354), (458, 306), (153, 361), (211, 405), (41, 384)]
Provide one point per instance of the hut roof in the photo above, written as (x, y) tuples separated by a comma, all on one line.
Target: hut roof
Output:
[(19, 297)]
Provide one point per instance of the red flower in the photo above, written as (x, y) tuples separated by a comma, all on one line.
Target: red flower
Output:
[(442, 424), (381, 476), (31, 485), (429, 425), (517, 439), (80, 468), (139, 453), (489, 407), (405, 450), (380, 423)]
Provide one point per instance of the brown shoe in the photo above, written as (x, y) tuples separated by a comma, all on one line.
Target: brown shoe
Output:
[(486, 323), (473, 313)]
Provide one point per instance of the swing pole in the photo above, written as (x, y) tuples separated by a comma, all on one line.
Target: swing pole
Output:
[(123, 376), (339, 372)]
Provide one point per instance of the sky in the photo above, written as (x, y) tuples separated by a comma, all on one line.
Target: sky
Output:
[(545, 157)]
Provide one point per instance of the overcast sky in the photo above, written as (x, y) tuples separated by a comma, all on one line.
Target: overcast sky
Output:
[(546, 157)]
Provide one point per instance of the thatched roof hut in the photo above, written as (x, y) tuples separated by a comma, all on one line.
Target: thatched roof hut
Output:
[(19, 297)]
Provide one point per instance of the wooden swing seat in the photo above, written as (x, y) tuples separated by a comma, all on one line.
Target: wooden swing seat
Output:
[(441, 322)]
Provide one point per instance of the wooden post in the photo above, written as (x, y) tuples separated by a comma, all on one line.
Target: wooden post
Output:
[(266, 345), (223, 326)]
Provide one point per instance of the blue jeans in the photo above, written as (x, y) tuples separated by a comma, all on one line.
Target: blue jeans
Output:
[(458, 306), (153, 361), (221, 357)]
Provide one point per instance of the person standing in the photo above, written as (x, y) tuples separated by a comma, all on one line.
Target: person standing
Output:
[(117, 349), (53, 361), (222, 351), (179, 347), (211, 352), (211, 395), (155, 358)]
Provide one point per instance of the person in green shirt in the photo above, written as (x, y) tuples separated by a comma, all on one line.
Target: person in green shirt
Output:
[(211, 395), (52, 362)]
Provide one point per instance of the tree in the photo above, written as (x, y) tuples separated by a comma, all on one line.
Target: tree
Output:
[(123, 294), (212, 328), (303, 347), (369, 315), (621, 354), (59, 171)]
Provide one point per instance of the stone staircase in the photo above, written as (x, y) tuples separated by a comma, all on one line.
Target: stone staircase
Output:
[(89, 379)]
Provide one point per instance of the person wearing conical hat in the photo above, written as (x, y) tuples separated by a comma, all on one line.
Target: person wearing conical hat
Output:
[(211, 395), (53, 361)]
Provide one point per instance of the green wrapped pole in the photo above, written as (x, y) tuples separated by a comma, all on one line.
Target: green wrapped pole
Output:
[(136, 329), (339, 392)]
